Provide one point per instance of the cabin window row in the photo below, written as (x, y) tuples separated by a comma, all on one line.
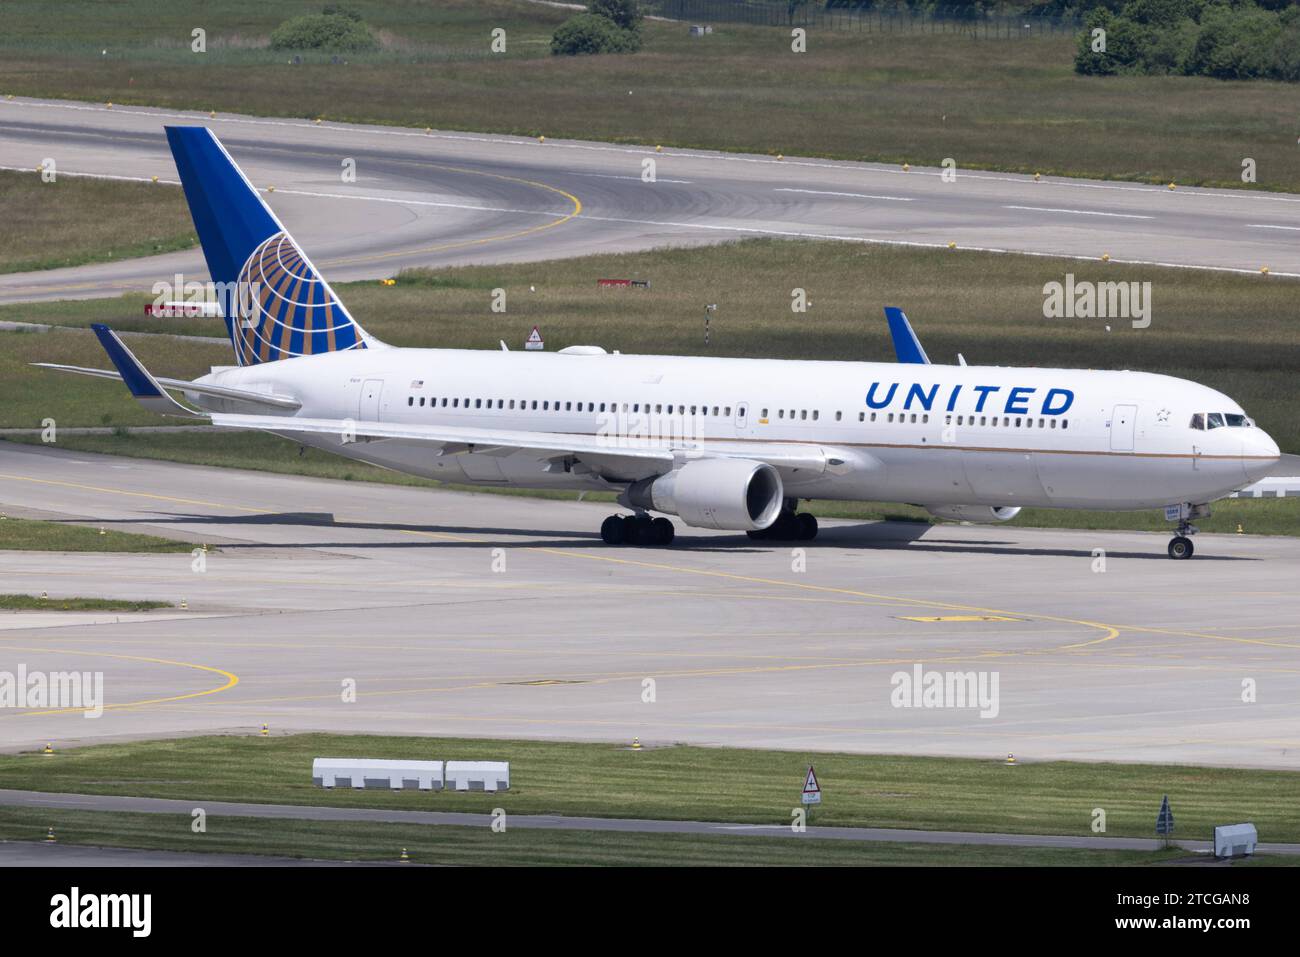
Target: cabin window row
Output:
[(558, 405)]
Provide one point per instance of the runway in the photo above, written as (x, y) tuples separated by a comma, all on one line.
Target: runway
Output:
[(445, 198), (491, 615)]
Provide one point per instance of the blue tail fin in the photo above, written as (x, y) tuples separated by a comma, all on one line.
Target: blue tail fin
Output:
[(275, 303)]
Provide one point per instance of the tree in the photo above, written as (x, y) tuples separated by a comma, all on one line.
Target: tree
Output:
[(625, 13)]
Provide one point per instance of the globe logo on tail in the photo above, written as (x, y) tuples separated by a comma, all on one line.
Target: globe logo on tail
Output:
[(284, 309)]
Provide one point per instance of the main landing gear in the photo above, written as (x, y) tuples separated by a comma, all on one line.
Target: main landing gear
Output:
[(638, 529), (790, 526)]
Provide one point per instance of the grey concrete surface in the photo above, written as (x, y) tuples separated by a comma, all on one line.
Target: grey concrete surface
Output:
[(551, 822), (489, 615), (449, 198)]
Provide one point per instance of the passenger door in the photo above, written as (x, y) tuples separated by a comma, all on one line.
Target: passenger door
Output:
[(1123, 421), (368, 404)]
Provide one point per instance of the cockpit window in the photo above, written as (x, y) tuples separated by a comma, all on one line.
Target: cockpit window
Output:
[(1219, 420)]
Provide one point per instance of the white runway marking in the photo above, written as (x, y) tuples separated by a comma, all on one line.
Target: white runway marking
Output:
[(825, 192), (1078, 212), (1268, 226), (682, 182)]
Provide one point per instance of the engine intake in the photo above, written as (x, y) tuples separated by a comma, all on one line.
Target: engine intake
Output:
[(736, 494), (980, 514)]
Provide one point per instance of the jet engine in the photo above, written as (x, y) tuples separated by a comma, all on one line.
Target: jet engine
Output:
[(979, 514), (737, 494)]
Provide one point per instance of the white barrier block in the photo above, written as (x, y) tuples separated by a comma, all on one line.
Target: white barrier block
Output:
[(478, 775), (364, 773), (1234, 840)]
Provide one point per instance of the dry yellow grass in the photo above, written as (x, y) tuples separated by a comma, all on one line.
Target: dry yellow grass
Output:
[(75, 220)]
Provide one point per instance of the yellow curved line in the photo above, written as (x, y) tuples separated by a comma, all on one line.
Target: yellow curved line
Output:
[(1111, 632), (232, 679), (577, 210)]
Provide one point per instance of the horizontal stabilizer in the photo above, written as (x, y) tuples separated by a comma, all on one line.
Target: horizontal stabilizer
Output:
[(143, 386), (266, 400)]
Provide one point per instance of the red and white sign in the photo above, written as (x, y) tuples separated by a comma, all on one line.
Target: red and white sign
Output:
[(534, 340), (812, 791), (187, 310)]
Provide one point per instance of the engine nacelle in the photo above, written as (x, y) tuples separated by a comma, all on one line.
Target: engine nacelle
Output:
[(736, 494), (979, 514)]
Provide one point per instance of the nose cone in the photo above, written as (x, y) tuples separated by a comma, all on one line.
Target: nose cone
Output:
[(1259, 453)]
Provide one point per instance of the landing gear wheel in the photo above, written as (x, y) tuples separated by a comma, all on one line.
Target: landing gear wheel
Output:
[(662, 532), (807, 526), (613, 531), (1180, 547), (638, 529)]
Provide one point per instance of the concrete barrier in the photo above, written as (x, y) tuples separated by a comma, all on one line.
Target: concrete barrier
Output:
[(365, 773), (478, 775), (1235, 840)]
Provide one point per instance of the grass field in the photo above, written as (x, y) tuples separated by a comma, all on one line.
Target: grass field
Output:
[(690, 783), (21, 534), (1005, 104), (76, 220), (34, 603), (470, 846)]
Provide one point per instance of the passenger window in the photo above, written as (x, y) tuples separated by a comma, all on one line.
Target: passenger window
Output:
[(1065, 423), (838, 416)]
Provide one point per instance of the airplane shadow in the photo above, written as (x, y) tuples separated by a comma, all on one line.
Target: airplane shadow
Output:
[(869, 536)]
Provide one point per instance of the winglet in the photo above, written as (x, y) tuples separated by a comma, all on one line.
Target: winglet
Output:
[(906, 346), (143, 386)]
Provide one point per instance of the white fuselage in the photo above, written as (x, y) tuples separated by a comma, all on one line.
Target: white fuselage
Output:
[(944, 435)]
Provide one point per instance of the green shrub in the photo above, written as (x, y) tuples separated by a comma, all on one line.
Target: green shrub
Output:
[(624, 13), (335, 32), (589, 33)]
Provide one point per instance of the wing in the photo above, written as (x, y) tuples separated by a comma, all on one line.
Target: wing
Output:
[(624, 456)]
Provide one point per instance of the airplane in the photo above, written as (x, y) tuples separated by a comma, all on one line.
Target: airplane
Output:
[(720, 443)]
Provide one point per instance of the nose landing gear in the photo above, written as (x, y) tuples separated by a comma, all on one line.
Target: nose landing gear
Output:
[(1180, 546)]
